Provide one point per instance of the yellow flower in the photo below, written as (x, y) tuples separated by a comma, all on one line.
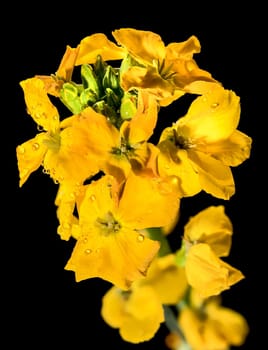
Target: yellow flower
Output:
[(62, 153), (210, 326), (110, 244), (168, 72), (67, 196), (211, 226), (118, 151), (96, 45), (201, 147), (137, 313), (208, 274), (167, 279), (208, 236)]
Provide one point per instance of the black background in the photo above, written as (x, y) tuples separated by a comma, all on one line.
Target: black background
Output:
[(43, 305)]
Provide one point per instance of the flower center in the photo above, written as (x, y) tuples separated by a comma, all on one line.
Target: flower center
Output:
[(108, 224)]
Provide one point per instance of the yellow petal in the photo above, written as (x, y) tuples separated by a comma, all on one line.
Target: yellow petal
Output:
[(120, 258), (167, 279), (233, 151), (39, 105), (160, 207), (142, 124), (207, 273), (65, 201), (213, 227), (30, 155), (113, 307), (174, 162), (199, 334), (67, 63), (138, 313), (98, 44), (144, 46), (211, 117), (229, 323), (215, 178)]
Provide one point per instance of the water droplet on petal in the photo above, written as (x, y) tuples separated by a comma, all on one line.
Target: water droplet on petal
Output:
[(88, 251), (214, 105), (35, 146), (140, 237), (92, 197), (72, 195)]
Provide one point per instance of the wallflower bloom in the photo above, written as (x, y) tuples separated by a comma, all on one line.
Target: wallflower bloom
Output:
[(168, 72), (201, 147), (207, 237), (62, 152), (208, 325), (110, 244), (137, 313), (121, 150), (167, 279)]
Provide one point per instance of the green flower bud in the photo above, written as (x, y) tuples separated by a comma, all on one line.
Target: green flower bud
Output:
[(112, 99), (128, 105), (88, 97), (69, 95), (89, 79), (100, 68), (110, 79)]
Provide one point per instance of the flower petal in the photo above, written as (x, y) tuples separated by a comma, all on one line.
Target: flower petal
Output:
[(207, 273)]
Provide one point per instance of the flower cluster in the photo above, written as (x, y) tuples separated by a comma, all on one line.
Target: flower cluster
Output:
[(119, 192)]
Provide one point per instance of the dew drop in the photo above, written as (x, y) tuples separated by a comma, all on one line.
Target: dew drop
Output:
[(88, 251), (92, 197), (214, 105), (35, 146), (140, 237), (85, 240), (72, 195)]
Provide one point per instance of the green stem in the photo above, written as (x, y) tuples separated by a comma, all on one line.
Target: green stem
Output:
[(156, 233), (173, 326)]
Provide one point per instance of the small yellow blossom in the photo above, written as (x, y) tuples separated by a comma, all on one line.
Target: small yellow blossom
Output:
[(137, 313), (96, 45), (167, 279), (208, 274), (208, 325), (212, 226), (110, 244), (118, 151), (62, 152), (207, 237), (201, 147), (168, 72)]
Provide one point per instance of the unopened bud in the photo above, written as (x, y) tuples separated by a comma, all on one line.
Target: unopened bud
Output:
[(69, 95), (89, 79), (128, 106)]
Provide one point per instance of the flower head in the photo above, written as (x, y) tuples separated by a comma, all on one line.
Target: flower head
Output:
[(201, 147), (207, 237), (137, 313), (110, 244), (208, 325), (168, 72)]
